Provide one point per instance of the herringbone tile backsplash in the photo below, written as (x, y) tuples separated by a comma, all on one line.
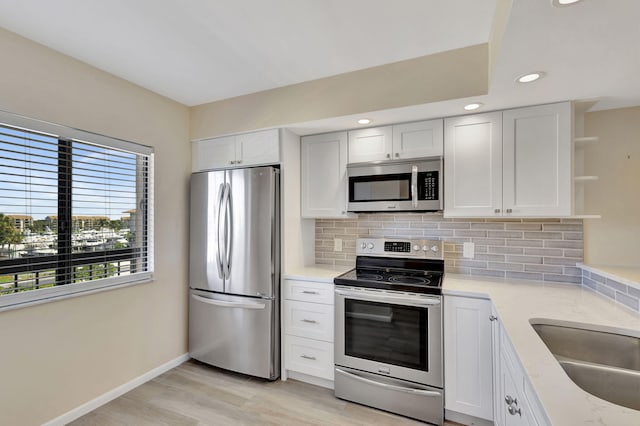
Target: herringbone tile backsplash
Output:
[(533, 249)]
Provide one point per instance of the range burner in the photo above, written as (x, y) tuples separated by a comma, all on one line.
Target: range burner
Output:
[(369, 277), (404, 279)]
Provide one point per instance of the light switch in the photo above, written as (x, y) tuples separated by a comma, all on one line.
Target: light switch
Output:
[(468, 250), (337, 244)]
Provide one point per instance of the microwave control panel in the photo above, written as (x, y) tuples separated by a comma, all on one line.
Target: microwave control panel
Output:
[(428, 186)]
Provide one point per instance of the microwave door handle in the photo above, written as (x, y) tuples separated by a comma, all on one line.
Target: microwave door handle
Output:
[(440, 189), (414, 186)]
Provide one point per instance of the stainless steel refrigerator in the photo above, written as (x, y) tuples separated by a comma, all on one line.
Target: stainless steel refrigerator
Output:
[(234, 270)]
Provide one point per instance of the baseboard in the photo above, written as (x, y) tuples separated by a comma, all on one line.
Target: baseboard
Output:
[(89, 406), (466, 419), (301, 377)]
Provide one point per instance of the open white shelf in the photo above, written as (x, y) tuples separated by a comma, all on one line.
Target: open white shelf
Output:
[(585, 178), (585, 140)]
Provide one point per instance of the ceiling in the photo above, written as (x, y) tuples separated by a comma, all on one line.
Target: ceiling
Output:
[(205, 50)]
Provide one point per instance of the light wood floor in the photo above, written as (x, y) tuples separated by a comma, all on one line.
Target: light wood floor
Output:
[(196, 394)]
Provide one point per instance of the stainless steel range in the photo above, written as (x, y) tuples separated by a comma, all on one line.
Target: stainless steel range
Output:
[(388, 328)]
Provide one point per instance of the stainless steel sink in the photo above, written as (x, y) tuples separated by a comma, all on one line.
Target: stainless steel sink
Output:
[(604, 363)]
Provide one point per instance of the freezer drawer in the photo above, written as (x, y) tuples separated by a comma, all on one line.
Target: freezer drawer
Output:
[(235, 333)]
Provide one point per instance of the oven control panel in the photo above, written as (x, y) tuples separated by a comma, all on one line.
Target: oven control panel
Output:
[(424, 249)]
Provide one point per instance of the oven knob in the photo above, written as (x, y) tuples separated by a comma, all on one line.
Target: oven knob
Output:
[(370, 246), (416, 247), (425, 248), (363, 246), (434, 249)]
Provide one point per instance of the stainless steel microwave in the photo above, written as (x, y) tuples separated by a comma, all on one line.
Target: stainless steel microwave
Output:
[(396, 186)]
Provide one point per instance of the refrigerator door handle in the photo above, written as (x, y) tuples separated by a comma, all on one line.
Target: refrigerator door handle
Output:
[(226, 304), (218, 248), (227, 231)]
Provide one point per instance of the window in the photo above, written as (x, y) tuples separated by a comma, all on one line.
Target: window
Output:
[(76, 211)]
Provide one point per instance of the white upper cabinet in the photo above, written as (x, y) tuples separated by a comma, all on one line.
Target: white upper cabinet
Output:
[(398, 142), (515, 163), (370, 144), (415, 140), (249, 149), (537, 160), (323, 175), (473, 165)]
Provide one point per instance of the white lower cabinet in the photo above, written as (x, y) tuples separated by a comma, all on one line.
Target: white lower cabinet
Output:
[(468, 378), (516, 403), (308, 330), (483, 375)]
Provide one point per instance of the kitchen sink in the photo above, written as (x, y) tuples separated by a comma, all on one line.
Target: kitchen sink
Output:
[(602, 362)]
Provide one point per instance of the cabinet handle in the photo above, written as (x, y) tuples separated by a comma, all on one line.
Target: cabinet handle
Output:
[(309, 321), (343, 212), (509, 211), (232, 162), (513, 411), (388, 155), (310, 292), (239, 161), (312, 358), (509, 400), (496, 211), (492, 317), (397, 154)]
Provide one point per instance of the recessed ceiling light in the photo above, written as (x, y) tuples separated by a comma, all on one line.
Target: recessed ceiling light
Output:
[(562, 3), (364, 121), (471, 107), (530, 77)]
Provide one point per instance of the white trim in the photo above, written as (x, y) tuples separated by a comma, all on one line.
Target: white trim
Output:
[(106, 397), (71, 133), (466, 419), (317, 381)]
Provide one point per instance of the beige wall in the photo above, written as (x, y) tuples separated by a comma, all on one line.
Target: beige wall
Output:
[(58, 355), (448, 75), (614, 239)]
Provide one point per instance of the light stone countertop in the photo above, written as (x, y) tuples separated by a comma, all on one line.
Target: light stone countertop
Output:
[(320, 273), (519, 301)]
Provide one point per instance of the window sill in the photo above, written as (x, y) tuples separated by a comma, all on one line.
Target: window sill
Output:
[(36, 297)]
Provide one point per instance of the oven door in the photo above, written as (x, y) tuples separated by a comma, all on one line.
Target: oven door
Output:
[(389, 333)]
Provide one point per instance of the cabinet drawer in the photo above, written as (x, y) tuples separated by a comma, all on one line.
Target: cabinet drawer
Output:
[(309, 291), (309, 320), (308, 356)]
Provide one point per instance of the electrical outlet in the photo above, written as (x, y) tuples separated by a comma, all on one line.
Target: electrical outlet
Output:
[(468, 250), (337, 244)]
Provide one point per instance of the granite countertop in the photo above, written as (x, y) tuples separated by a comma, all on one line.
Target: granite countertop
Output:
[(519, 301), (320, 273)]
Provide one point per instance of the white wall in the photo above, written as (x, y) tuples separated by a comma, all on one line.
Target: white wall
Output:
[(58, 355)]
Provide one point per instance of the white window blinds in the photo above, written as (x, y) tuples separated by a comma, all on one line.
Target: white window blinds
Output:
[(75, 214)]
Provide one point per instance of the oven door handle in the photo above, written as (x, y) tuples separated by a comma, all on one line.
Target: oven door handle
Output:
[(388, 386), (390, 298)]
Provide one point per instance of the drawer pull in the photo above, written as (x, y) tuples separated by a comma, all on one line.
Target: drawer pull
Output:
[(513, 411), (310, 292), (312, 358), (309, 321)]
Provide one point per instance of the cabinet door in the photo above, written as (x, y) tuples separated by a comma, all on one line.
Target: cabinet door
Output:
[(537, 161), (370, 144), (324, 175), (415, 140), (473, 165), (213, 153), (468, 366), (258, 148)]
